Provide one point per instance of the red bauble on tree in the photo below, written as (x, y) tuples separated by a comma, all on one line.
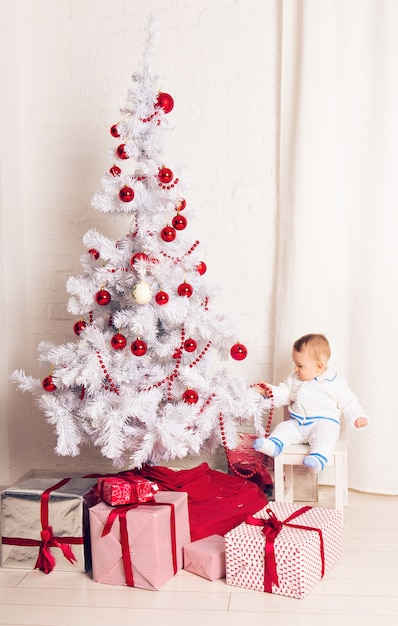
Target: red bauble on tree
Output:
[(114, 131), (103, 297), (238, 351), (165, 102), (139, 347), (94, 253), (201, 267), (179, 222), (126, 194), (190, 345), (161, 298), (121, 151), (190, 396), (165, 175), (48, 384), (181, 206), (185, 289), (138, 256), (115, 171), (168, 234), (79, 326), (118, 341)]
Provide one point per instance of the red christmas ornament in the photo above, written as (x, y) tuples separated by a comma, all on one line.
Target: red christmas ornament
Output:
[(238, 352), (79, 326), (182, 205), (177, 354), (48, 384), (139, 347), (185, 289), (121, 151), (165, 175), (190, 345), (179, 222), (165, 102), (118, 341), (201, 267), (115, 171), (161, 298), (94, 253), (103, 297), (126, 194), (114, 131), (190, 396), (138, 256), (168, 233)]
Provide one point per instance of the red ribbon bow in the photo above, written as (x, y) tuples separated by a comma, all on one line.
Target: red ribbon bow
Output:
[(45, 560), (271, 528), (121, 512)]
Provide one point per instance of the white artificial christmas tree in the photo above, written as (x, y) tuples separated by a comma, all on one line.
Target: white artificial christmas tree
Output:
[(138, 379)]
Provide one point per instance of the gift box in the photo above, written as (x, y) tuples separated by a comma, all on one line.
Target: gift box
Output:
[(206, 557), (118, 491), (45, 524), (139, 545), (283, 549)]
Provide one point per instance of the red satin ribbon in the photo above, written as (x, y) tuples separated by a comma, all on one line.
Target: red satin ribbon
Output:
[(271, 528), (121, 512), (45, 560)]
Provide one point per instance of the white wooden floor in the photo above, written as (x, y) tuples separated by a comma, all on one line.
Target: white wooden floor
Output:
[(362, 589)]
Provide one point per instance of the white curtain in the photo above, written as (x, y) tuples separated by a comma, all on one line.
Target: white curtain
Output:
[(338, 227)]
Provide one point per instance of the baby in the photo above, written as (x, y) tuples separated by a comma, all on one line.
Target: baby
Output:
[(316, 397)]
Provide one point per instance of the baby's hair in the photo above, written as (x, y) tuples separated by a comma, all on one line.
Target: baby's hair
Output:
[(317, 345)]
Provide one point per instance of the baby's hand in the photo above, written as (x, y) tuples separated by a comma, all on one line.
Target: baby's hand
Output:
[(361, 422), (261, 387)]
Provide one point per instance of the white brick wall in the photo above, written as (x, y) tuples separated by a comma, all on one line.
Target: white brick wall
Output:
[(73, 60)]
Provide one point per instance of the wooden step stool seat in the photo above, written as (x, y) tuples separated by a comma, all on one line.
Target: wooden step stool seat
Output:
[(294, 455)]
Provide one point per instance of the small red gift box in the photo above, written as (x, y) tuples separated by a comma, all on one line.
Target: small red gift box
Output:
[(283, 549), (206, 557), (118, 491), (139, 545)]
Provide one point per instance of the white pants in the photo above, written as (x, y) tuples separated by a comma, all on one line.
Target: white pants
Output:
[(321, 435)]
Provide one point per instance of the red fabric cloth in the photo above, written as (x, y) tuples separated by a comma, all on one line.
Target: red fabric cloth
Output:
[(217, 502)]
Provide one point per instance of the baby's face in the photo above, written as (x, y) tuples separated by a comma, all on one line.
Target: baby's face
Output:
[(305, 366)]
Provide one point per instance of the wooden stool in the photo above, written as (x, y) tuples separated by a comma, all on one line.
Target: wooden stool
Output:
[(294, 455)]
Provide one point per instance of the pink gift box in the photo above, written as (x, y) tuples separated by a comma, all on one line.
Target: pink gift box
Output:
[(285, 549), (206, 557), (138, 548), (118, 491)]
